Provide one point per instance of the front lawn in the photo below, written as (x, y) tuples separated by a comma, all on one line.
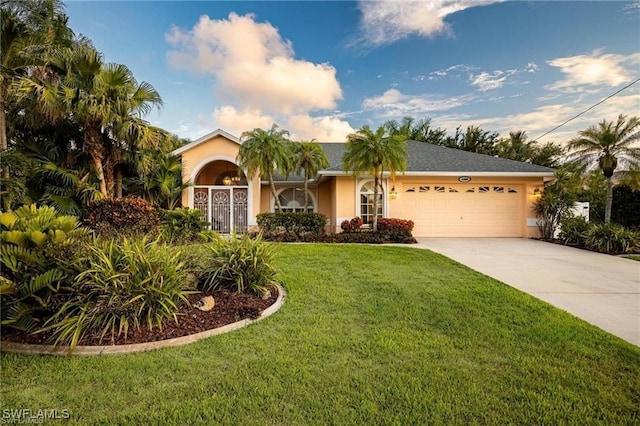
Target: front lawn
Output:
[(368, 335)]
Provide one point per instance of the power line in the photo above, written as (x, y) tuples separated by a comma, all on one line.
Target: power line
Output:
[(588, 109)]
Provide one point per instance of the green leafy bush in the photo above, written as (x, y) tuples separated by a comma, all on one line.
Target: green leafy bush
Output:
[(244, 265), (612, 239), (294, 223), (183, 225), (123, 284), (38, 246), (122, 217), (573, 230)]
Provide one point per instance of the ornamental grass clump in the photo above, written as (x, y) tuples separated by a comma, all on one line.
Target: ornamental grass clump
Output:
[(123, 284), (244, 265), (612, 238)]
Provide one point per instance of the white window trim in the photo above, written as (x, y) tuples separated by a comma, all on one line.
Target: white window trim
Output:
[(312, 197), (385, 198)]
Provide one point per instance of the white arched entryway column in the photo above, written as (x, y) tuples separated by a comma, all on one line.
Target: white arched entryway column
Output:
[(227, 207)]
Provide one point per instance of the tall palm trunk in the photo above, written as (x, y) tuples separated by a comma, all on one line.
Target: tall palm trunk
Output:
[(118, 183), (272, 185), (93, 146), (609, 201), (376, 181), (306, 191), (4, 145)]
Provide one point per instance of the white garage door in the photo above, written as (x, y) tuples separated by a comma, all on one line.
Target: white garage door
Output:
[(464, 210)]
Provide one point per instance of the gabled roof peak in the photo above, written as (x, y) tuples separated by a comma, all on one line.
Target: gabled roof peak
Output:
[(208, 136)]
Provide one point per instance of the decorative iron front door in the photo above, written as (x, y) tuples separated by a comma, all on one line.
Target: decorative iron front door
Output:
[(225, 208), (221, 210), (240, 202)]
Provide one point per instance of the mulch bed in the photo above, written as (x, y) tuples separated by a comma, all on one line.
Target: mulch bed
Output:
[(229, 308)]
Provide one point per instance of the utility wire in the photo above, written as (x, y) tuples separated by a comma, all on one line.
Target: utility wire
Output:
[(588, 109)]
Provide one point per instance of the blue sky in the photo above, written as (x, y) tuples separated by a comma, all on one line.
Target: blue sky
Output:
[(323, 69)]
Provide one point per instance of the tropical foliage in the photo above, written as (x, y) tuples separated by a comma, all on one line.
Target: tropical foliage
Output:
[(181, 226), (123, 285), (36, 259), (123, 217), (556, 201), (606, 145), (308, 158), (242, 264), (374, 153), (266, 152)]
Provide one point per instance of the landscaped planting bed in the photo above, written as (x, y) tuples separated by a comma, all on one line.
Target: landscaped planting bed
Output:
[(368, 335)]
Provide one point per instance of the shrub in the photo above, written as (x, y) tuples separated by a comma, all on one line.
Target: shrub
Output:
[(612, 239), (122, 284), (183, 225), (573, 230), (353, 225), (625, 209), (244, 265), (122, 217), (295, 223), (38, 246), (396, 230)]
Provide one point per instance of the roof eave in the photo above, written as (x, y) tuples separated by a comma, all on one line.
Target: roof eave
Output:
[(443, 173), (208, 136)]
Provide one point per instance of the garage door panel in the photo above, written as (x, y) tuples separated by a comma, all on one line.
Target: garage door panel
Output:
[(464, 210)]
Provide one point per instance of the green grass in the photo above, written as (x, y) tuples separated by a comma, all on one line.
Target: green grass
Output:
[(368, 335), (633, 257)]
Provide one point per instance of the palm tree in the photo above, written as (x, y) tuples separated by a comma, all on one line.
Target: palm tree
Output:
[(106, 102), (474, 139), (413, 130), (28, 30), (608, 142), (265, 152), (309, 158), (374, 152)]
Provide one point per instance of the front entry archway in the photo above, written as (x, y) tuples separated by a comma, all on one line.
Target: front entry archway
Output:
[(221, 193)]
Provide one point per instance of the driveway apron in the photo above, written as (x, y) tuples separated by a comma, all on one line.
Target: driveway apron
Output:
[(601, 289)]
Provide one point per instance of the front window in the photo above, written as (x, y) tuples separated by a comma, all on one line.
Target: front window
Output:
[(366, 201), (292, 200)]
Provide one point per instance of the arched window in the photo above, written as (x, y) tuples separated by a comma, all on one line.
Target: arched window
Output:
[(366, 195), (292, 200)]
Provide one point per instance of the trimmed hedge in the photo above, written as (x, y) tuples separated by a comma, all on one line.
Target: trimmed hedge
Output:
[(390, 230), (396, 230), (122, 217), (297, 224)]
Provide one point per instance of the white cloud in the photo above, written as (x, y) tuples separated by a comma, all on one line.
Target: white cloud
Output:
[(323, 129), (257, 78), (385, 22), (393, 103), (485, 81), (595, 69), (544, 118), (235, 122)]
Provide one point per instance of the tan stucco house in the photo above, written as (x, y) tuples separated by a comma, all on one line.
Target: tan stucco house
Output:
[(446, 192)]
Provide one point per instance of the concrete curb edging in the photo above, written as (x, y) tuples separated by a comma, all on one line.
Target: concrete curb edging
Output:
[(22, 348)]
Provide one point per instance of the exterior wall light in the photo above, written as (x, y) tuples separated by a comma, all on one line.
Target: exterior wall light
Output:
[(537, 193), (394, 193)]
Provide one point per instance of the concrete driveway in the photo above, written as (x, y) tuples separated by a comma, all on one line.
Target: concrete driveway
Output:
[(602, 290)]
